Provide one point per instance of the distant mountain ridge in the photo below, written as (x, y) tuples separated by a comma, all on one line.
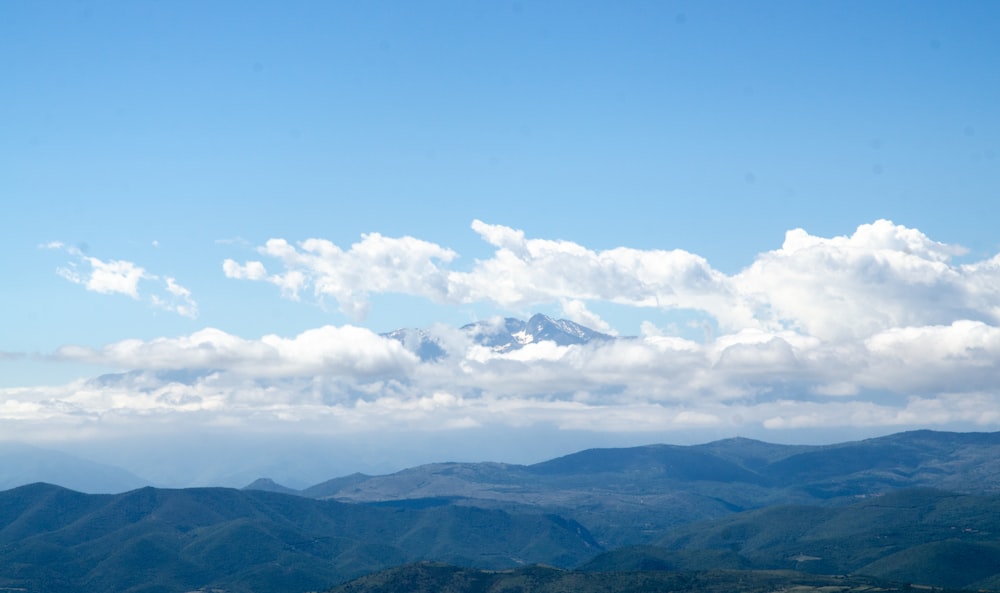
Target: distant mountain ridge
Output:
[(919, 507), (23, 464), (628, 495), (203, 539), (502, 335)]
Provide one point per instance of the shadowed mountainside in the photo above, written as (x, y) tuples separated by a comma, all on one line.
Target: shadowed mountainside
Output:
[(915, 535), (56, 540), (861, 507), (436, 578), (926, 538)]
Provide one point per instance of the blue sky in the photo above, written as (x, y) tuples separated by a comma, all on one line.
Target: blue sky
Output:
[(172, 137)]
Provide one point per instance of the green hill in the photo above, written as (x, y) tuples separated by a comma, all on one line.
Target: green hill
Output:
[(152, 540), (738, 505)]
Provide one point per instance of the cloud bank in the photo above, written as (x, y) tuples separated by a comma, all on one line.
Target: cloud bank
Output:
[(881, 328), (881, 277)]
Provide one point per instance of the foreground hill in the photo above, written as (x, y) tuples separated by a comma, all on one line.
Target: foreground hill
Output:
[(853, 508), (921, 536), (632, 495), (56, 540), (903, 541), (436, 578)]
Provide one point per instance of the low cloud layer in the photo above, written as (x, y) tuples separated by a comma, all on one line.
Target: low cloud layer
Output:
[(879, 329)]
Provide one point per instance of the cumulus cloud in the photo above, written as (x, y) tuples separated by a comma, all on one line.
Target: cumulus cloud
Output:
[(105, 277), (883, 276), (375, 264), (124, 277), (524, 273), (842, 288), (883, 310)]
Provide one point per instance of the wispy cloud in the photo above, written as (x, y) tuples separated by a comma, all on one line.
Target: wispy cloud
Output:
[(376, 264), (124, 277)]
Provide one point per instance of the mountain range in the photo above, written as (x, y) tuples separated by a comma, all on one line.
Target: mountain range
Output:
[(918, 507), (631, 495)]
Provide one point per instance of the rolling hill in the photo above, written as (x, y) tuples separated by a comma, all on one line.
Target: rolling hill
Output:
[(903, 541), (924, 536), (920, 507), (146, 540)]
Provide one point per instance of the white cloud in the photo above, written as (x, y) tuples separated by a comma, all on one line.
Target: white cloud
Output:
[(524, 273), (376, 264), (881, 277), (842, 288), (105, 277), (780, 379), (347, 403), (884, 309), (877, 329), (181, 302), (124, 277), (347, 351), (252, 270), (576, 310)]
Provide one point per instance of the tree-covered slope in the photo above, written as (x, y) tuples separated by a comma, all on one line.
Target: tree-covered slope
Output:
[(921, 536), (435, 578), (148, 540)]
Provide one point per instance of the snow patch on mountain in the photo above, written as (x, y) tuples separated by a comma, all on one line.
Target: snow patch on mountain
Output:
[(502, 335)]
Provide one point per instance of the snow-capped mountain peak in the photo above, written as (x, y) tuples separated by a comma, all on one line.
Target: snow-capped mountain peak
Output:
[(503, 335)]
